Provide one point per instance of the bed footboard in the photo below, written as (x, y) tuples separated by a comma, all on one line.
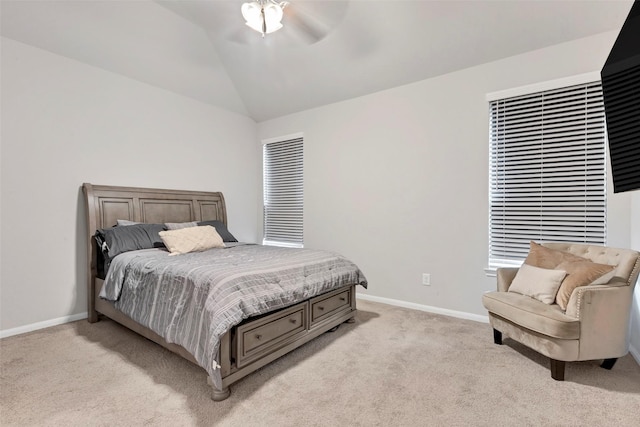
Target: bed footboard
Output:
[(261, 340), (257, 341)]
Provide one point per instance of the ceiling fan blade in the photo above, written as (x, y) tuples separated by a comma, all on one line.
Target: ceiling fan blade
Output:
[(313, 20)]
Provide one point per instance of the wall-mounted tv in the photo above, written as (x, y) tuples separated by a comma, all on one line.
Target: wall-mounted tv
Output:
[(621, 92)]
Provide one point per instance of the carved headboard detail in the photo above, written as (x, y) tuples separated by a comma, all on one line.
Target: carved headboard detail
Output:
[(106, 204)]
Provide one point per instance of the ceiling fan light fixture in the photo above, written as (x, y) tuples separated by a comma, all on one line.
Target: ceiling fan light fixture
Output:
[(263, 16)]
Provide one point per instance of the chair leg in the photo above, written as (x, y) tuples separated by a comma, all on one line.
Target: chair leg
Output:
[(557, 369), (497, 337), (608, 363)]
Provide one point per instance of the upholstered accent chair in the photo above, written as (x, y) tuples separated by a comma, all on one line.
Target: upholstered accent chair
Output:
[(587, 320)]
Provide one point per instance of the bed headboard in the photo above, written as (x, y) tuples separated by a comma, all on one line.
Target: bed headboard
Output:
[(106, 204)]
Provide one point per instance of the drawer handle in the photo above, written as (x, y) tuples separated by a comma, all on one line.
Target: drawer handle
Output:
[(343, 299), (258, 336), (294, 321), (320, 308)]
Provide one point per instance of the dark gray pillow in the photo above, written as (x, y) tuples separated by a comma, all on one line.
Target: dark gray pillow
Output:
[(221, 229), (116, 240)]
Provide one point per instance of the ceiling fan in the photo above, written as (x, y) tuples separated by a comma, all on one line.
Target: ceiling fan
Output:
[(309, 20), (300, 21), (264, 16)]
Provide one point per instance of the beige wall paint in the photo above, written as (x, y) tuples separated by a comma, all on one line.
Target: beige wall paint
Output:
[(65, 123), (398, 180)]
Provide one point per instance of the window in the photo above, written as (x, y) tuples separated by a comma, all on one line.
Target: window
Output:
[(283, 192), (547, 170)]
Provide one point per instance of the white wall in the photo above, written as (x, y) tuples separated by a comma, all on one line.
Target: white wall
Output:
[(65, 123), (635, 244), (397, 180)]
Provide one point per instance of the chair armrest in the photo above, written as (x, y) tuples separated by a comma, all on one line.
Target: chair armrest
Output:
[(610, 294), (603, 311), (505, 276)]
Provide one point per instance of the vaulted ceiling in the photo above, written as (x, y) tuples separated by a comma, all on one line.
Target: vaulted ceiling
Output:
[(328, 50)]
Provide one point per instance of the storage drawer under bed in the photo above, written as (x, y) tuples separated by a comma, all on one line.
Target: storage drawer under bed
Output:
[(324, 306), (256, 338), (267, 334)]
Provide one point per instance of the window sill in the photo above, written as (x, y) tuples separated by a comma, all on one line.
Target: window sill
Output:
[(490, 271), (282, 244)]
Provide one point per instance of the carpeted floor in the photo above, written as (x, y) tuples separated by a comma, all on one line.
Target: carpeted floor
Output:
[(393, 367)]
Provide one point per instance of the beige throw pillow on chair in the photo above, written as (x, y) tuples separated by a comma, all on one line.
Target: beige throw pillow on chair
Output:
[(539, 283), (579, 273)]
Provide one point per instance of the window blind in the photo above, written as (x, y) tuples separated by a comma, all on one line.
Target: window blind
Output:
[(547, 171), (283, 193)]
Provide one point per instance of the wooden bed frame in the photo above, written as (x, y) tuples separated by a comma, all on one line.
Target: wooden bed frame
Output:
[(249, 345)]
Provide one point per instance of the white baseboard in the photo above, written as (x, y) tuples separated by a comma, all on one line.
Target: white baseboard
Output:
[(41, 325), (399, 303), (427, 308), (395, 302), (459, 314)]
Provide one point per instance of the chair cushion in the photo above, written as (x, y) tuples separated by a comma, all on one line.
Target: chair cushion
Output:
[(532, 314)]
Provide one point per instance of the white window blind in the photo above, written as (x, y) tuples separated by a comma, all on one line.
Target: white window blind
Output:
[(283, 193), (547, 170)]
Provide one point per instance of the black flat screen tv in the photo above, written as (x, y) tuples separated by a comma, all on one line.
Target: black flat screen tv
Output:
[(621, 92)]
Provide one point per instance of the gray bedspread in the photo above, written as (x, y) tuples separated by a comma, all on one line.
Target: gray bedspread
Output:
[(194, 299)]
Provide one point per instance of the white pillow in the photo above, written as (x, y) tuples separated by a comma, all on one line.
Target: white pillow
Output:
[(180, 225), (125, 222), (191, 239), (539, 283)]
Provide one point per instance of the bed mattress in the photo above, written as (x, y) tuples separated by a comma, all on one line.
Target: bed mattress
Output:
[(193, 299)]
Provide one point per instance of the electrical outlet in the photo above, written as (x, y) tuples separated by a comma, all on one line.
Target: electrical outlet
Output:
[(426, 279)]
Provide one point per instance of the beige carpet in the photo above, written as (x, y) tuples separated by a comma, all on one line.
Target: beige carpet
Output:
[(393, 367)]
